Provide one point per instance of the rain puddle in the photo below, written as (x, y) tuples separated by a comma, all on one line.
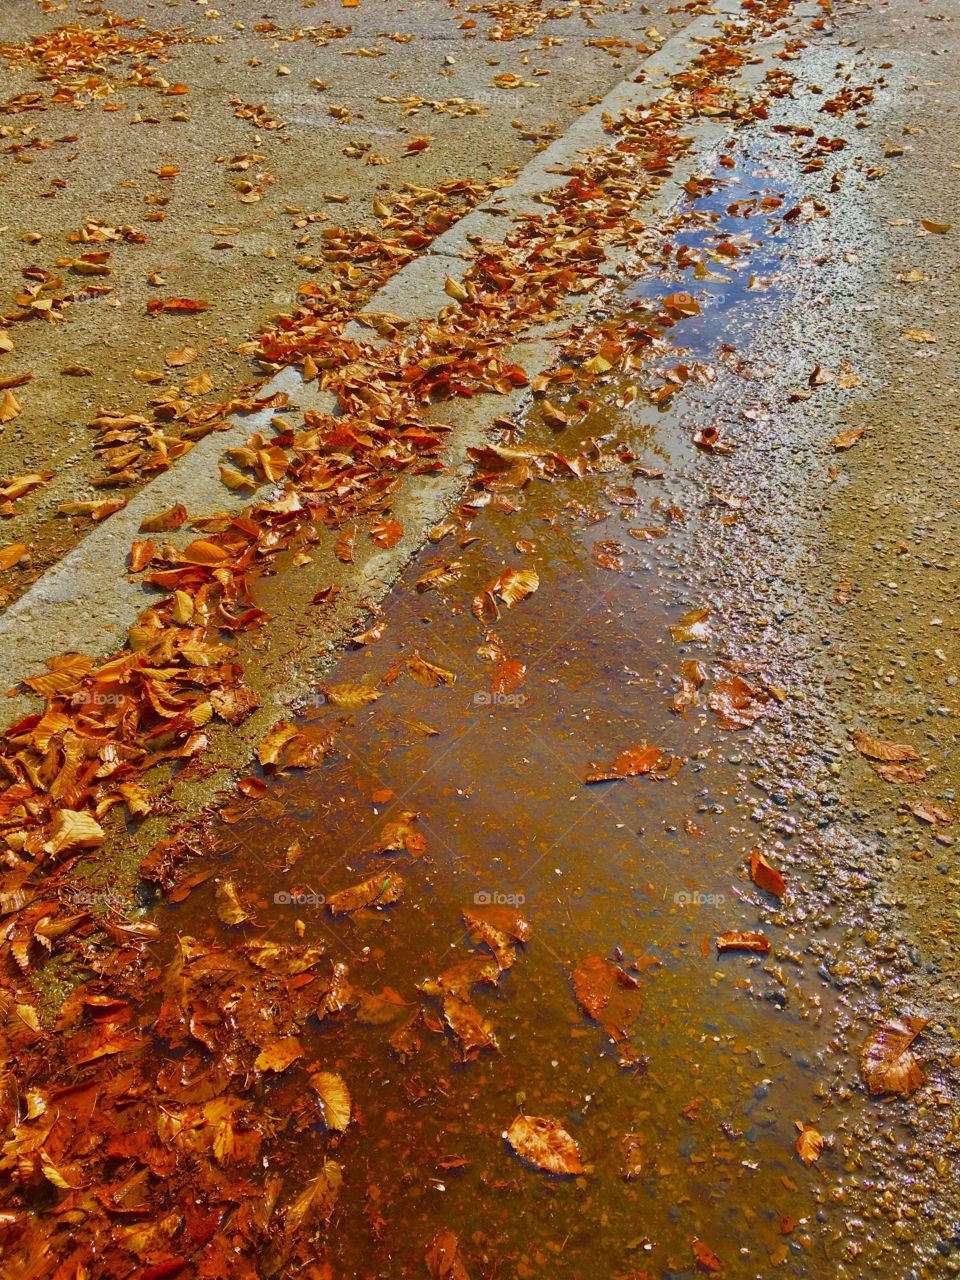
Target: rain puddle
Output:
[(685, 1108)]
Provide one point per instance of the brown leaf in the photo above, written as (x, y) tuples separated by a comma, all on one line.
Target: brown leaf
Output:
[(809, 1144), (183, 355), (692, 627), (630, 764), (12, 553), (379, 891), (848, 438), (164, 521), (279, 1054), (72, 829), (877, 749), (334, 1098), (737, 703), (887, 1062), (706, 1259), (736, 940), (443, 1257), (387, 533), (514, 585), (9, 406), (229, 907), (765, 875), (545, 1145), (349, 696)]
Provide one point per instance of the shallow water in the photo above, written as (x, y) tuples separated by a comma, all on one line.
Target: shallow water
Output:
[(728, 1054)]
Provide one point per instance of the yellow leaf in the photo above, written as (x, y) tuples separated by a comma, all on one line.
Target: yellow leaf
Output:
[(334, 1097)]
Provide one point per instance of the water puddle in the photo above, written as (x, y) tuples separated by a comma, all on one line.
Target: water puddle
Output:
[(686, 1118)]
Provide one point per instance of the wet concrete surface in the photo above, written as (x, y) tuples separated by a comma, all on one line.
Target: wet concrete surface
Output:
[(733, 1052), (792, 546)]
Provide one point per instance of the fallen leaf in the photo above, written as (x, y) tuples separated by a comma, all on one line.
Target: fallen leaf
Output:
[(9, 406), (443, 1258), (887, 1062), (809, 1144), (736, 940), (877, 749), (334, 1098), (765, 875), (848, 438), (706, 1259), (350, 696), (164, 521), (279, 1054), (12, 553), (692, 627), (229, 907), (545, 1144), (183, 355), (379, 891), (629, 764), (737, 703)]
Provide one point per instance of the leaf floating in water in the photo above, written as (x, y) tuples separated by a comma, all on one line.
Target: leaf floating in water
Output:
[(348, 696), (229, 907), (705, 1258), (738, 704), (334, 1098), (609, 995), (633, 762), (379, 891), (443, 1257), (736, 940), (765, 875), (545, 1145), (887, 1062), (809, 1144), (693, 627)]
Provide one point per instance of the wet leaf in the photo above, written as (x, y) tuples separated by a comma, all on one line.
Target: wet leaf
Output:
[(765, 875), (545, 1145), (350, 696), (737, 940), (334, 1099), (443, 1257), (692, 627), (229, 907), (387, 533), (887, 1061), (878, 749), (809, 1144), (279, 1054), (737, 703), (514, 585), (705, 1258), (379, 891), (692, 676), (630, 764), (428, 673)]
